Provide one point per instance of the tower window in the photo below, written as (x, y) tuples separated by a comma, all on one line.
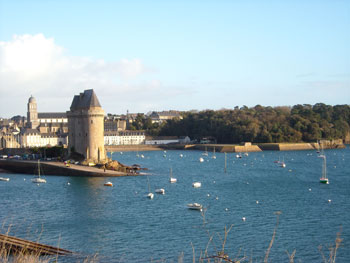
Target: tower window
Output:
[(92, 121)]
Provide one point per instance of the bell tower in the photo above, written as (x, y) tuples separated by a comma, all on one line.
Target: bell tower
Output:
[(32, 114)]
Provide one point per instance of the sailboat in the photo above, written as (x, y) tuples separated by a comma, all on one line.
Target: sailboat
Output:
[(282, 164), (150, 195), (214, 156), (318, 147), (324, 179), (37, 179), (246, 153), (172, 179), (137, 152), (206, 152)]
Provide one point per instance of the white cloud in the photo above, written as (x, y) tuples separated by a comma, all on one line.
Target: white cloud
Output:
[(35, 64)]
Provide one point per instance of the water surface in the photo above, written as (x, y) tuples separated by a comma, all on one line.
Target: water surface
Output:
[(121, 225)]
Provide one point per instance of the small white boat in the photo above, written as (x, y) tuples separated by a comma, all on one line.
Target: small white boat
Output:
[(4, 179), (150, 195), (197, 184), (181, 155), (201, 160), (239, 155), (37, 179), (172, 179), (108, 184), (142, 156), (160, 191), (195, 206)]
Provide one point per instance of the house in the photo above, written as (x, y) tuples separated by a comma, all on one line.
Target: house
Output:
[(161, 116)]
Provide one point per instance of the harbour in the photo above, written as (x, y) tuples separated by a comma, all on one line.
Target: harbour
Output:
[(121, 224)]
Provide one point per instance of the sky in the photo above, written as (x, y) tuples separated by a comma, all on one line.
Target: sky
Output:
[(183, 55)]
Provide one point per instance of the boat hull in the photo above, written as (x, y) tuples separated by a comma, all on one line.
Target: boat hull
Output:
[(324, 181)]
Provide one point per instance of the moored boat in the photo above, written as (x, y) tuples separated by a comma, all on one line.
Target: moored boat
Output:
[(196, 184), (4, 179), (37, 179), (172, 179), (195, 206), (108, 184), (324, 178), (160, 191)]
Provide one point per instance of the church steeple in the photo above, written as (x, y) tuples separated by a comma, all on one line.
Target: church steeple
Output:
[(32, 113)]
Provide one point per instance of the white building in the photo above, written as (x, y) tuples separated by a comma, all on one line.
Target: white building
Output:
[(124, 137), (33, 138)]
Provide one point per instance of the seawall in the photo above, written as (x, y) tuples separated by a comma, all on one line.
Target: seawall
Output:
[(56, 168), (335, 144)]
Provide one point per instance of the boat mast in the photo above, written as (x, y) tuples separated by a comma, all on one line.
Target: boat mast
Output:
[(324, 170), (39, 167)]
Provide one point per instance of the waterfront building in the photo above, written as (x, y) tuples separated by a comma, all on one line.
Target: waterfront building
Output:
[(86, 126), (161, 116), (126, 137), (38, 130)]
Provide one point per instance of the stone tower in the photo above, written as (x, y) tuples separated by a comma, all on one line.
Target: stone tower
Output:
[(32, 114), (86, 126)]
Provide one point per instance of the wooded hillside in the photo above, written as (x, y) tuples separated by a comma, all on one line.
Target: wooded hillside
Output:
[(300, 123)]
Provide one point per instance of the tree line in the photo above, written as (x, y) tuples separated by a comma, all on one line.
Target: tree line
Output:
[(259, 124)]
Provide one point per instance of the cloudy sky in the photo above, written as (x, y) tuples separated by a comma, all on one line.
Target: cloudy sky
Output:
[(184, 54)]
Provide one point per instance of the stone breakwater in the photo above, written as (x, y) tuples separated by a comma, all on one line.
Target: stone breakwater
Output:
[(56, 168), (247, 147)]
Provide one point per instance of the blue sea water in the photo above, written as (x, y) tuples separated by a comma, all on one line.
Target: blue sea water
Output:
[(120, 224)]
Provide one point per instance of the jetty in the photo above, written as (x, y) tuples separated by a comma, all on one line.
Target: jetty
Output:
[(14, 245), (58, 168)]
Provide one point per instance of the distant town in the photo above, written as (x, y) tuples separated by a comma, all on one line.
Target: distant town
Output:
[(284, 124), (42, 129)]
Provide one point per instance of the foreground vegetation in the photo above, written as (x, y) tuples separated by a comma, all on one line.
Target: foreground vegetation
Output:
[(300, 123)]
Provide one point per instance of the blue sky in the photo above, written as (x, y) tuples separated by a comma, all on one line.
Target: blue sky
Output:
[(160, 55)]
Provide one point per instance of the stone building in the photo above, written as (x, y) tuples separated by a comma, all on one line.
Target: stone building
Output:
[(161, 116), (43, 128), (86, 126)]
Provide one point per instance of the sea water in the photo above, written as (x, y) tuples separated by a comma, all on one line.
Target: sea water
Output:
[(120, 224)]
